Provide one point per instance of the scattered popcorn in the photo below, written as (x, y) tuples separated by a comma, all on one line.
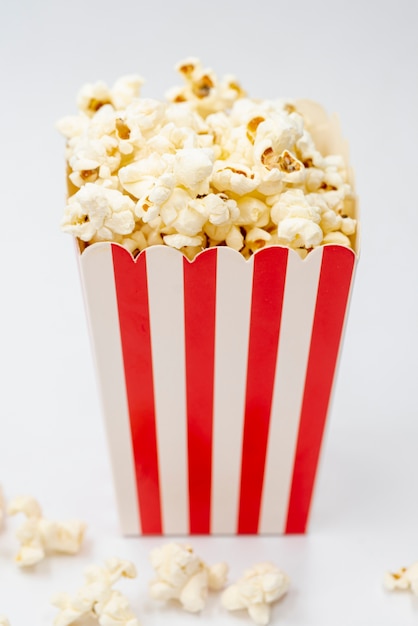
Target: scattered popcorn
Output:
[(208, 157), (97, 599), (183, 576), (39, 536), (4, 621), (256, 591), (404, 578)]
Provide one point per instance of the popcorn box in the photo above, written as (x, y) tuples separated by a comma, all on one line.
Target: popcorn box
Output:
[(215, 377)]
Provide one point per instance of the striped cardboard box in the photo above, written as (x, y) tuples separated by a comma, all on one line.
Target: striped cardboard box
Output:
[(215, 377)]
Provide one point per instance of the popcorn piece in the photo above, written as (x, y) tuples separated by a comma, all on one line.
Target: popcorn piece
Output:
[(95, 211), (97, 599), (39, 536), (217, 208), (299, 232), (404, 578), (203, 90), (125, 90), (336, 237), (4, 621), (297, 220), (256, 590), (93, 97), (192, 168), (183, 576), (180, 241), (257, 238), (234, 177)]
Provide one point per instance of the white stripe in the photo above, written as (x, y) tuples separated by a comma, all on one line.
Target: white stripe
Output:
[(295, 335), (166, 306), (96, 267), (233, 309)]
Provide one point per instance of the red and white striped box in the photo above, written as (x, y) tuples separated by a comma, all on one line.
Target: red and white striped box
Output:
[(215, 377)]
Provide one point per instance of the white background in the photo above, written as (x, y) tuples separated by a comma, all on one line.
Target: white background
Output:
[(356, 58)]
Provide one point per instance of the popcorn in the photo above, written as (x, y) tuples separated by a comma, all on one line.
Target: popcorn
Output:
[(209, 157), (297, 220), (93, 97), (336, 238), (39, 536), (183, 576), (234, 177), (181, 241), (256, 591), (404, 578), (97, 599), (4, 621), (98, 213), (192, 169), (203, 90)]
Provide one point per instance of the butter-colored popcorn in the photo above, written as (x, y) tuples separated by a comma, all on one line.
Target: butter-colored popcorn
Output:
[(97, 599), (239, 179), (4, 621), (125, 90), (93, 97), (256, 591), (203, 90), (297, 220), (404, 578), (208, 167), (181, 241), (39, 536), (192, 169), (336, 237), (257, 238), (152, 181), (183, 576), (252, 212), (217, 208), (95, 211)]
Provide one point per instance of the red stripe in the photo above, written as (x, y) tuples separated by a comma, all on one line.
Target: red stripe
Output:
[(132, 296), (266, 310), (333, 292), (199, 318)]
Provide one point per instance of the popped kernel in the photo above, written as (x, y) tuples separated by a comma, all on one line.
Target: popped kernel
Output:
[(97, 599), (405, 578), (234, 177), (183, 576), (256, 591), (95, 211), (39, 536)]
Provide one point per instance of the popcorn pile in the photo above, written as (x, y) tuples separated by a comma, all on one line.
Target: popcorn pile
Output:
[(208, 167)]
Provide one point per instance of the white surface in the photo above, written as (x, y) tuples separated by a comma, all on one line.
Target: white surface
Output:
[(358, 59)]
